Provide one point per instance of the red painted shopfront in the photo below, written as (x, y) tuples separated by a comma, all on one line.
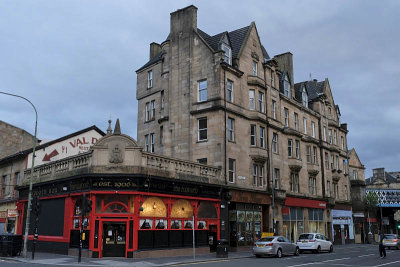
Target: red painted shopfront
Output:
[(122, 222), (303, 215)]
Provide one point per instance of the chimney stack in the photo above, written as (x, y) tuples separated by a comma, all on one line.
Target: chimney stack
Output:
[(183, 21), (378, 173), (285, 63), (154, 50)]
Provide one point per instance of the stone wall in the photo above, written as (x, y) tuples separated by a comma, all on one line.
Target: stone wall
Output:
[(13, 139)]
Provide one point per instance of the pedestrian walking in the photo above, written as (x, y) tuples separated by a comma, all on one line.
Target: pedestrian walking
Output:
[(382, 251)]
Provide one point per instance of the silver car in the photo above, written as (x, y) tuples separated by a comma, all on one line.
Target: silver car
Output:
[(314, 242), (391, 241), (275, 245)]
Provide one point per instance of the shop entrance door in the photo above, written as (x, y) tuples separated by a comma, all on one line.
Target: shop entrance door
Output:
[(114, 239), (337, 234)]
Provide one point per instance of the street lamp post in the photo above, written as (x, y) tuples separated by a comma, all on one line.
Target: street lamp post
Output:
[(28, 211)]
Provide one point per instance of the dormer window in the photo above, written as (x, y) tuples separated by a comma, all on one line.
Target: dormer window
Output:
[(228, 54), (286, 86), (304, 97)]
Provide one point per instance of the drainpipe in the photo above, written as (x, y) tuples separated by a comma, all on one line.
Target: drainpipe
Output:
[(225, 143), (270, 161), (224, 202), (321, 156)]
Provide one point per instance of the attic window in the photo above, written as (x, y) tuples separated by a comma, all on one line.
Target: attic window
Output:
[(304, 97), (286, 86), (228, 53)]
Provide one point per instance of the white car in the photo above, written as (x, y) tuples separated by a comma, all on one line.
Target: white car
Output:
[(314, 242)]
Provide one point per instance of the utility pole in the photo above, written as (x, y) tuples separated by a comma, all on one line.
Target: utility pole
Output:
[(36, 209), (81, 230), (28, 210)]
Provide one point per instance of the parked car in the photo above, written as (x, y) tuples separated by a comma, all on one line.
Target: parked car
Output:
[(274, 245), (314, 242), (391, 241)]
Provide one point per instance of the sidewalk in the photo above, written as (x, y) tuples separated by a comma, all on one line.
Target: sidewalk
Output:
[(65, 260)]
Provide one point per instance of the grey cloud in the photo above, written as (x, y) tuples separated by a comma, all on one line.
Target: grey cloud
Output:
[(76, 60)]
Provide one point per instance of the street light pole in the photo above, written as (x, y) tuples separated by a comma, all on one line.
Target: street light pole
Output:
[(28, 210)]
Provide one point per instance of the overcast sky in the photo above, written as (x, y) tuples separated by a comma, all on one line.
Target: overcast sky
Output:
[(76, 60)]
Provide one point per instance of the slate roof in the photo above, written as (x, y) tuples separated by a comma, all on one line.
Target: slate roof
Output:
[(314, 89), (390, 177), (236, 37), (152, 61)]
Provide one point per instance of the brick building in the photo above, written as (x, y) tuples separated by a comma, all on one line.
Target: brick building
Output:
[(222, 100)]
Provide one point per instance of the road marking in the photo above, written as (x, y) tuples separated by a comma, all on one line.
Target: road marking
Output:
[(366, 255), (198, 262), (297, 257), (319, 262), (387, 263), (342, 264)]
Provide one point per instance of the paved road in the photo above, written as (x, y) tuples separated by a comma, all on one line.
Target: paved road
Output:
[(348, 256), (365, 256)]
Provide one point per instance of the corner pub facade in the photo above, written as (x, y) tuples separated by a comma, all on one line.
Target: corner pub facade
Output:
[(140, 201)]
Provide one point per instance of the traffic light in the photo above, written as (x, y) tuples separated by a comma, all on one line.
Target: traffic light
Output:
[(88, 206)]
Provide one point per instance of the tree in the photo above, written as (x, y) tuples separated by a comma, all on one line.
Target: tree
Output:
[(371, 202)]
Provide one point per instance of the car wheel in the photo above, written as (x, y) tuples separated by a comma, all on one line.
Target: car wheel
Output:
[(331, 249), (258, 256), (397, 247), (297, 252), (279, 253), (318, 250)]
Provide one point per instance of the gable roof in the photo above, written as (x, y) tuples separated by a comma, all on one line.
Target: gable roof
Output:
[(236, 38), (353, 155), (29, 150)]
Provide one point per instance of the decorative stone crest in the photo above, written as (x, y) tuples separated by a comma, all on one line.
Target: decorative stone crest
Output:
[(116, 155), (255, 56)]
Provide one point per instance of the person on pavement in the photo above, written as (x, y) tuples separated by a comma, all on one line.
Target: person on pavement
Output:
[(382, 251)]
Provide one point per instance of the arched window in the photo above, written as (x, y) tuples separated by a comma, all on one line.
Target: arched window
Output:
[(207, 211), (304, 97), (115, 207), (286, 86), (153, 207), (182, 209)]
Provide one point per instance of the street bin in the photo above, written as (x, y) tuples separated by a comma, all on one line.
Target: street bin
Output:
[(10, 245), (222, 248)]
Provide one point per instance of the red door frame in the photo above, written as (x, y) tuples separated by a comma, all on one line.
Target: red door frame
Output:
[(105, 220)]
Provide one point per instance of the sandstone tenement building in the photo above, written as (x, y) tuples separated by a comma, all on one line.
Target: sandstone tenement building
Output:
[(13, 139), (222, 100)]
